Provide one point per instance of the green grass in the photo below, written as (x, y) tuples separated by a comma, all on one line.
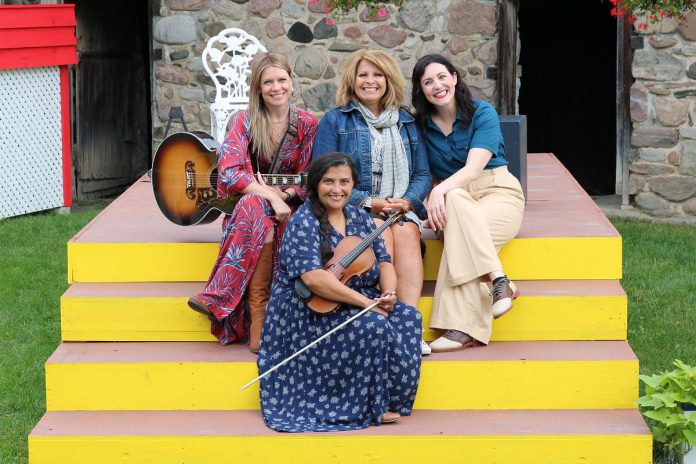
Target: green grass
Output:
[(33, 276), (659, 270), (660, 279), (659, 275)]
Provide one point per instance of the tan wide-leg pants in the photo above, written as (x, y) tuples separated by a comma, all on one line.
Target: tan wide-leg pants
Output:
[(481, 218)]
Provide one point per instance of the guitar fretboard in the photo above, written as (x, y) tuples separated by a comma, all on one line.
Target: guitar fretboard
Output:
[(283, 179)]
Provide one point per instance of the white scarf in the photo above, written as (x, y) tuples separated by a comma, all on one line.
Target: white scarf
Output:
[(389, 144)]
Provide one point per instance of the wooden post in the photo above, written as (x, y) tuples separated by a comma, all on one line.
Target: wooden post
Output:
[(624, 57), (506, 83)]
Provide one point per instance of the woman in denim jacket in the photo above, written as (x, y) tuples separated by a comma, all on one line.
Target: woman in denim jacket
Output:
[(388, 152)]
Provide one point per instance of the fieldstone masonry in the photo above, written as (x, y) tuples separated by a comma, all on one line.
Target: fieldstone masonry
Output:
[(663, 112), (463, 30), (662, 165)]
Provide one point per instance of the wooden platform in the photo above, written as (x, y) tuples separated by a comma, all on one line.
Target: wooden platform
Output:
[(563, 236), (138, 378)]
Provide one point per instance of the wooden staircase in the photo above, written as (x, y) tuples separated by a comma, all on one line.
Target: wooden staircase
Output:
[(139, 379)]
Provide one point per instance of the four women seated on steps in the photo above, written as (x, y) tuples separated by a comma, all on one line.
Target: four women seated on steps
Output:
[(370, 158)]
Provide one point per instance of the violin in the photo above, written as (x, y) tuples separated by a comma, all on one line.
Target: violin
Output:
[(352, 257)]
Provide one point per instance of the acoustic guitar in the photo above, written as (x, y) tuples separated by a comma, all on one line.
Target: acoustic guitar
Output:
[(184, 179)]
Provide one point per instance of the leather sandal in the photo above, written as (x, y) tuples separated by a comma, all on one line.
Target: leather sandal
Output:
[(390, 417), (453, 340)]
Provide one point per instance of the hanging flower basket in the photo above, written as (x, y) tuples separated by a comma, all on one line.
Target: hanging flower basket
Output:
[(643, 13), (376, 8)]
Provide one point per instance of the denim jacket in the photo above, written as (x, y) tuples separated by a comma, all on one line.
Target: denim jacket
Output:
[(345, 130)]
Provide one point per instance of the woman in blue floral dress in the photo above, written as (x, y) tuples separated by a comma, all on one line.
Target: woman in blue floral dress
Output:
[(366, 373)]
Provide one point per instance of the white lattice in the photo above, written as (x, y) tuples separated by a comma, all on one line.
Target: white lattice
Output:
[(31, 178)]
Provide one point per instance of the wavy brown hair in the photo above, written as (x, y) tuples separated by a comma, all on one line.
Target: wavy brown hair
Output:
[(425, 109)]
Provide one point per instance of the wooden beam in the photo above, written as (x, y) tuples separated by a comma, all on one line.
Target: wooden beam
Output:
[(506, 83)]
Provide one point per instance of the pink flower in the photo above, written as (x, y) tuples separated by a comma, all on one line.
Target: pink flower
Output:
[(330, 22), (381, 12), (312, 1)]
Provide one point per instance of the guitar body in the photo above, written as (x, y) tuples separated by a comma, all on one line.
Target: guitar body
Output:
[(184, 178)]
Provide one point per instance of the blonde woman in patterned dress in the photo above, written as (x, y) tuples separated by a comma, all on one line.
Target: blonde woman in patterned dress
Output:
[(272, 136)]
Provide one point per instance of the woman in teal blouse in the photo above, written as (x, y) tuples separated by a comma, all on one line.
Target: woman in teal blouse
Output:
[(477, 204)]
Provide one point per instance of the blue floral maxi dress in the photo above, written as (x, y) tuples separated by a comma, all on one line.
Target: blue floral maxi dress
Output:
[(350, 379)]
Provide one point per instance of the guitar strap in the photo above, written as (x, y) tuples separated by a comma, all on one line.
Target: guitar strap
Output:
[(291, 132)]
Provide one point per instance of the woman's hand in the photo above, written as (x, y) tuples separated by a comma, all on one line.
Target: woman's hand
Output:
[(386, 303), (437, 214), (281, 209), (398, 204)]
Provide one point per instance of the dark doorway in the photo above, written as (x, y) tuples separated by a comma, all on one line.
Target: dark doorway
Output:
[(111, 96), (568, 86)]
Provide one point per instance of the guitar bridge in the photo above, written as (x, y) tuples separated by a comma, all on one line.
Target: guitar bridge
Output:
[(190, 172)]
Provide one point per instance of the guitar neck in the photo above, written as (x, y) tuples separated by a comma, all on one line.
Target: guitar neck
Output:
[(283, 180), (280, 180)]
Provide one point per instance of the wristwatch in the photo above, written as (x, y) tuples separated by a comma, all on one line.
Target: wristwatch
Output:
[(367, 204)]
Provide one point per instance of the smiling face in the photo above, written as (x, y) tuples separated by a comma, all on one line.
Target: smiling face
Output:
[(370, 85), (438, 85), (335, 187), (275, 86)]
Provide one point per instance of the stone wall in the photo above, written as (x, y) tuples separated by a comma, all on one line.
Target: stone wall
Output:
[(662, 178), (463, 30)]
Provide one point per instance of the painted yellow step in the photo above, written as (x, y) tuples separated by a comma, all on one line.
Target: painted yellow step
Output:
[(201, 375), (481, 437), (522, 259), (546, 310), (563, 236)]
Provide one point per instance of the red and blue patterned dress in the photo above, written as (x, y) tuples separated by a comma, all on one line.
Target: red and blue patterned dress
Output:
[(244, 231)]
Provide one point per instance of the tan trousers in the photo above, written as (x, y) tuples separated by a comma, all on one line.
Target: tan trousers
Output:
[(481, 218)]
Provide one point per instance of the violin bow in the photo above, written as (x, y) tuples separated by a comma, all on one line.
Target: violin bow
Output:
[(302, 350)]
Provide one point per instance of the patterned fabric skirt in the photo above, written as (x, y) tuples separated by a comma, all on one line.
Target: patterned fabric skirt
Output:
[(243, 235), (349, 379)]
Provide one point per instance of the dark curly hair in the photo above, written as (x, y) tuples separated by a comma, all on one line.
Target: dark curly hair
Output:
[(316, 171), (425, 109)]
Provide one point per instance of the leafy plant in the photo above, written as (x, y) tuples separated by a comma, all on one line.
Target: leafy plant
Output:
[(376, 8), (645, 12), (665, 396)]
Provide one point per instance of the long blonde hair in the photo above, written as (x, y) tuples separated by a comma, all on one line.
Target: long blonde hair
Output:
[(259, 121), (395, 78)]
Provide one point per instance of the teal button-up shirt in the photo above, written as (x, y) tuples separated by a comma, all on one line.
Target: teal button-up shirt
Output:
[(448, 154)]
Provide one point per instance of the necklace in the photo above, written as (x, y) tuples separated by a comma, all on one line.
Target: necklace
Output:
[(278, 129), (277, 134)]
